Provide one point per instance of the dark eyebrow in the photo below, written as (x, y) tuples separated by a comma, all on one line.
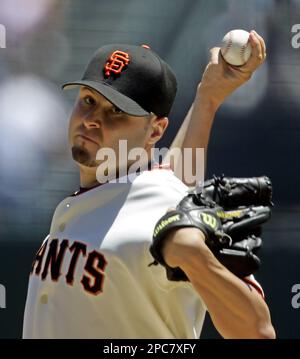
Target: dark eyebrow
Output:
[(108, 103), (94, 92)]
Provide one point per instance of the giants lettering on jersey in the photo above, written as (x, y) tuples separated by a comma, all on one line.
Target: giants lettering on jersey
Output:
[(51, 255)]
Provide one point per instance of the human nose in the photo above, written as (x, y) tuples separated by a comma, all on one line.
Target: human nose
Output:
[(91, 122)]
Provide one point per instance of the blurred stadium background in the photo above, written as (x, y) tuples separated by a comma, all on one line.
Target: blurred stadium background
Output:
[(257, 131)]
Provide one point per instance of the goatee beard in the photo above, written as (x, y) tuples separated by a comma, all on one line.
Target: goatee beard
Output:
[(82, 156)]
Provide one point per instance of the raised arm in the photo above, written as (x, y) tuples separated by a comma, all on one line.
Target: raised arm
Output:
[(219, 80)]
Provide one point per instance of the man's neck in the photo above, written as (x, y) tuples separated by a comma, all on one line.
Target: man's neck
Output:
[(88, 177)]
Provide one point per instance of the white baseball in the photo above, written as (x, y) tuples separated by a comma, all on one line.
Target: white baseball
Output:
[(236, 48)]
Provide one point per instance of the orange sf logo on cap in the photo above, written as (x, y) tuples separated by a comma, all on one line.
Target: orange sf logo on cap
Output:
[(116, 63)]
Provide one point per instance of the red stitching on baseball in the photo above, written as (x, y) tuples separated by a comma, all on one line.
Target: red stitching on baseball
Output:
[(229, 44), (242, 53)]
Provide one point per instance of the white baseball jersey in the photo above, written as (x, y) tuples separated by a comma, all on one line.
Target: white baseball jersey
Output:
[(91, 278)]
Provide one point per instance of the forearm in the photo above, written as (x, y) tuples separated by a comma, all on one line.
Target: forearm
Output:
[(235, 309), (174, 155), (194, 133), (181, 134), (201, 121), (219, 81)]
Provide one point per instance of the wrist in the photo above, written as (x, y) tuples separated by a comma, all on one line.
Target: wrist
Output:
[(207, 99), (181, 245)]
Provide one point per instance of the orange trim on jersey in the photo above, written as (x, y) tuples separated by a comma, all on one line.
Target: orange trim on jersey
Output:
[(76, 260), (47, 268), (100, 271), (255, 285)]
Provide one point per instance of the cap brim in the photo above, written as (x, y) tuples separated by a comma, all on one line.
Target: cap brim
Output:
[(123, 102)]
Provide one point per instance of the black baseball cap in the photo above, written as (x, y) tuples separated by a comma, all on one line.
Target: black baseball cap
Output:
[(133, 78)]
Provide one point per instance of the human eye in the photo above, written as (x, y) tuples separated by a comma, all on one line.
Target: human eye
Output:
[(88, 100), (117, 111)]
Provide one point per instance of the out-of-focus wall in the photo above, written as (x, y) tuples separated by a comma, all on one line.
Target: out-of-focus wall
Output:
[(256, 132)]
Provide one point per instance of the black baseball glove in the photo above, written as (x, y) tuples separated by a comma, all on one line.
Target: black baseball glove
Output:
[(232, 234), (231, 192)]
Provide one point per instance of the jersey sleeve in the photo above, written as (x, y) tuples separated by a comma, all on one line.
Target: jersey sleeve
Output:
[(253, 283)]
